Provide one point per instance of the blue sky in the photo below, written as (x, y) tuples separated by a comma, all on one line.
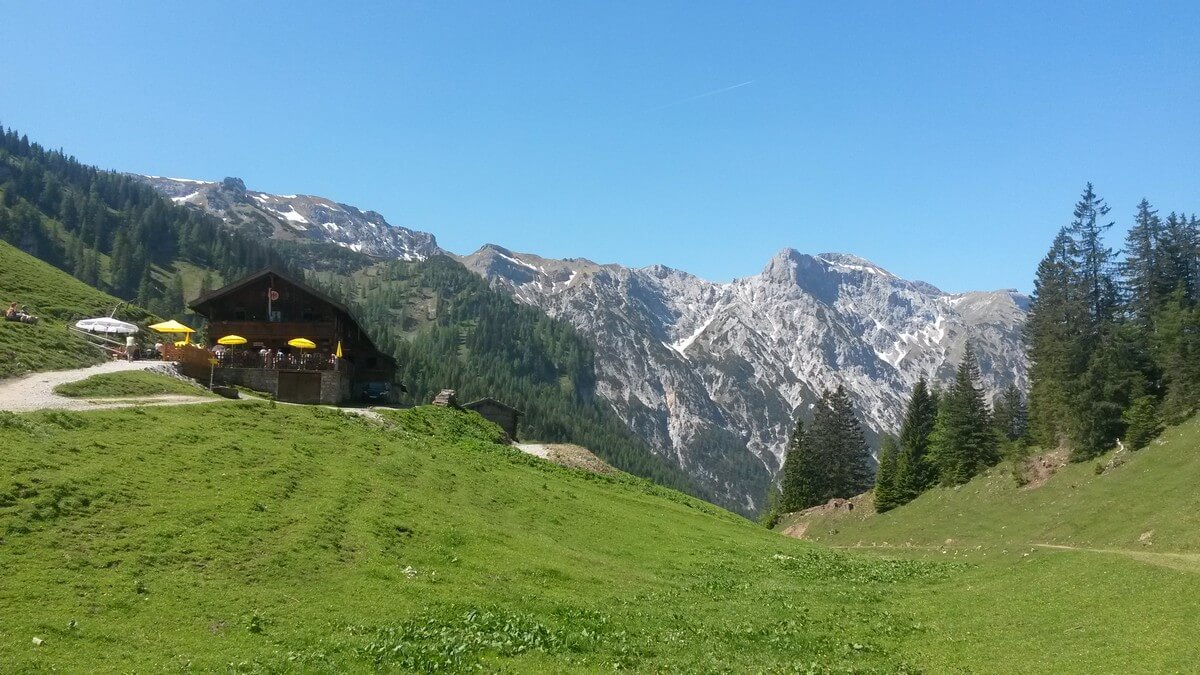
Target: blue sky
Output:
[(944, 141)]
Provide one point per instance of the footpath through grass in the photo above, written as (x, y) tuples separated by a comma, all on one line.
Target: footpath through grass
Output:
[(129, 384), (1091, 571), (249, 537)]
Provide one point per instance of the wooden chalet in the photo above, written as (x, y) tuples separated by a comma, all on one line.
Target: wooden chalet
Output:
[(501, 414), (269, 308)]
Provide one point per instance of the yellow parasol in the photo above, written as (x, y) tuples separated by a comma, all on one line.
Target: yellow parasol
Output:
[(302, 343), (181, 343), (338, 353), (172, 326), (231, 340)]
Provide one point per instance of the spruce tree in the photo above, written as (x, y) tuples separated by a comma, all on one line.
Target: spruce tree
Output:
[(1052, 335), (1009, 413), (1142, 422), (963, 442), (1142, 269), (1092, 261), (796, 480), (839, 448), (914, 473), (886, 493)]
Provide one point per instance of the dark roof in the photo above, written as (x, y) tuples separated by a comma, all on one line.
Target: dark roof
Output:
[(247, 280), (488, 399)]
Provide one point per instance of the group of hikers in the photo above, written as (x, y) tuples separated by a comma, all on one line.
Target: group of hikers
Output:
[(17, 313)]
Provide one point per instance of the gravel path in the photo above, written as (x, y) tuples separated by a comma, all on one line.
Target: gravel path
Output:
[(36, 391)]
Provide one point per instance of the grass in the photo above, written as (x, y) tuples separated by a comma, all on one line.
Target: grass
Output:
[(1113, 591), (248, 537), (58, 299), (127, 384), (1151, 491)]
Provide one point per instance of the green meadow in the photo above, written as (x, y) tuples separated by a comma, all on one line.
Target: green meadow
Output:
[(247, 537)]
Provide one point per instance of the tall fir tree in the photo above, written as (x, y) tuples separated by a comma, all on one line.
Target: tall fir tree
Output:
[(1093, 262), (1142, 269), (797, 476), (914, 472), (1009, 414), (837, 442), (1052, 335), (963, 442), (886, 493)]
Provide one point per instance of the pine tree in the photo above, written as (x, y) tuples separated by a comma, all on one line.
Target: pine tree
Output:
[(1093, 261), (886, 493), (1009, 413), (840, 448), (1052, 335), (914, 473), (963, 442), (1142, 422), (796, 481), (1142, 270)]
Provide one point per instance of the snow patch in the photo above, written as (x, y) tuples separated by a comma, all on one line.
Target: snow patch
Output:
[(516, 261), (292, 216), (683, 344), (184, 180), (858, 268)]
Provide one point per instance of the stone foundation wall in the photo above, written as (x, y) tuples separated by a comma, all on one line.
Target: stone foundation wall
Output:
[(335, 386)]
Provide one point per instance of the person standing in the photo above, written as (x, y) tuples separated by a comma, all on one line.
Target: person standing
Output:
[(129, 347)]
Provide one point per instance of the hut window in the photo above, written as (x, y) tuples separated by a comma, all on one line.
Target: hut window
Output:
[(239, 313)]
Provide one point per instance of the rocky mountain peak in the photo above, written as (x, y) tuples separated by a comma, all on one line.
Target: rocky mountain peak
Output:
[(298, 217), (713, 375)]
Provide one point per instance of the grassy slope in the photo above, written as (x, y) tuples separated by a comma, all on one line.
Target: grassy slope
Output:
[(57, 299), (1154, 491), (128, 384), (1022, 607), (250, 537), (297, 536)]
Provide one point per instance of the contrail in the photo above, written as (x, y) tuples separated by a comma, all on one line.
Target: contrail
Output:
[(706, 94)]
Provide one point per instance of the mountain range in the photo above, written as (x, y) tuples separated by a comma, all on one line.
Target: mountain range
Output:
[(711, 375)]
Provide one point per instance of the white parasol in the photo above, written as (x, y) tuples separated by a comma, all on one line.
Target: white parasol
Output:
[(107, 326)]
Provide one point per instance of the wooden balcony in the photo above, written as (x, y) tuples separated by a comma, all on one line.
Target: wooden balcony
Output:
[(275, 333), (306, 360)]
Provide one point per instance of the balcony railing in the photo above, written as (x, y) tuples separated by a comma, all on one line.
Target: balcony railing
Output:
[(297, 361)]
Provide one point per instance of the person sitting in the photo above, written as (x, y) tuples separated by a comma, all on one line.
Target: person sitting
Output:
[(17, 313)]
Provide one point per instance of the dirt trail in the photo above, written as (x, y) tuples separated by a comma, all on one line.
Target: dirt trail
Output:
[(36, 391), (1186, 562)]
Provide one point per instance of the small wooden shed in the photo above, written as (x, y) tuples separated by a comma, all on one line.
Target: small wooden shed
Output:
[(501, 414)]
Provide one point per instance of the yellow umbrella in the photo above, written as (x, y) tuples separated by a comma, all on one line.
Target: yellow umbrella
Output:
[(181, 343), (338, 353), (172, 326), (231, 340), (302, 343)]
